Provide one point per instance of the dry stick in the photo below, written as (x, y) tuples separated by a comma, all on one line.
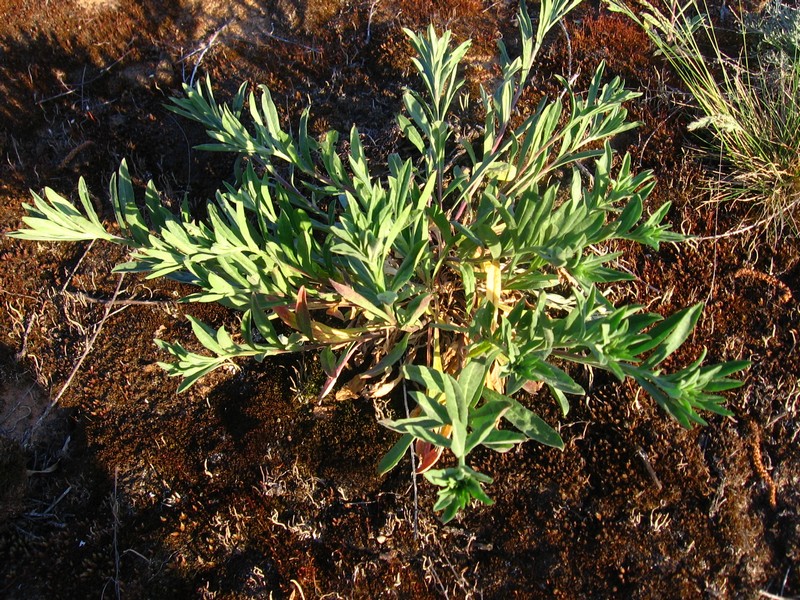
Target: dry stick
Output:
[(650, 470), (714, 263), (188, 153), (17, 295), (17, 407), (115, 513), (16, 151), (83, 83), (271, 34), (436, 579), (205, 49), (24, 350), (77, 266), (120, 302), (714, 239), (569, 47), (372, 8), (785, 578), (758, 224), (78, 364), (25, 335), (52, 506), (413, 468), (299, 589), (653, 133), (764, 594), (459, 579)]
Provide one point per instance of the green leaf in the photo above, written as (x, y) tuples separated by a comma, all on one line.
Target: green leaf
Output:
[(431, 407), (328, 361), (457, 410), (205, 335), (459, 485), (395, 454), (395, 354), (416, 308), (433, 380), (468, 280), (536, 369), (409, 265), (411, 133), (387, 298), (562, 399), (526, 421), (503, 440), (473, 377), (420, 427), (352, 296), (667, 336), (302, 314), (483, 421), (56, 219), (128, 215)]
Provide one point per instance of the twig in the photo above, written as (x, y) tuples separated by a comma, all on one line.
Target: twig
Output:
[(205, 49), (569, 48), (272, 35), (372, 7), (115, 513), (764, 594), (25, 335), (16, 295), (413, 469), (17, 407), (135, 553), (77, 265), (785, 578), (656, 129), (188, 153), (757, 225), (435, 576), (78, 364), (52, 506), (119, 301), (102, 72), (714, 263), (16, 151), (650, 470), (299, 589), (28, 534)]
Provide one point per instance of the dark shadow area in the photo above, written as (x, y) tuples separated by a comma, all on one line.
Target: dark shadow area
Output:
[(86, 87)]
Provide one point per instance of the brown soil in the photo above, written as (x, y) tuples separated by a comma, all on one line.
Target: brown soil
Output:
[(243, 487)]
